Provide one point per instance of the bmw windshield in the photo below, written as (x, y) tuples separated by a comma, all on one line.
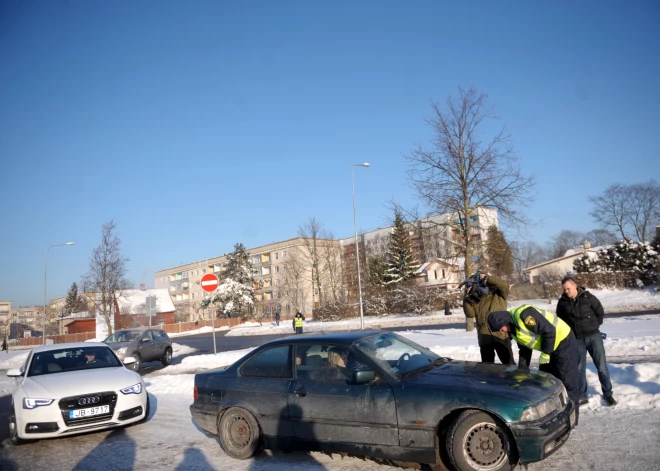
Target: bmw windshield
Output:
[(397, 355)]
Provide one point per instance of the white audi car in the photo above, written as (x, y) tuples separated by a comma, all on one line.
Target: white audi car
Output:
[(70, 388)]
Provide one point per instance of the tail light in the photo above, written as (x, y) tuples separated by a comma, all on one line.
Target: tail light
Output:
[(195, 393)]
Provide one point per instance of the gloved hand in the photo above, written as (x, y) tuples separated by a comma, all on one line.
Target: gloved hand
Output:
[(544, 359)]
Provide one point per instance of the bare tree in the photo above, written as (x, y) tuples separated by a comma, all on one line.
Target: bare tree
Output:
[(293, 280), (526, 254), (565, 240), (463, 170), (611, 209), (311, 235), (600, 237), (331, 266), (644, 208), (107, 273)]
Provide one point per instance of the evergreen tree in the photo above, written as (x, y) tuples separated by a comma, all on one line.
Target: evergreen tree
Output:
[(584, 264), (236, 291), (400, 261), (498, 253), (377, 269), (238, 266), (71, 302)]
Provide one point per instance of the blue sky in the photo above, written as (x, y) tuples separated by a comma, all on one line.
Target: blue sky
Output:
[(196, 125)]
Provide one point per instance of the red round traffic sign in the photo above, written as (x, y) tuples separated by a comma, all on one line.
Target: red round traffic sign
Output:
[(209, 282)]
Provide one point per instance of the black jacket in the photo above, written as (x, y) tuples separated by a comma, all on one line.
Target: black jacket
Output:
[(584, 314)]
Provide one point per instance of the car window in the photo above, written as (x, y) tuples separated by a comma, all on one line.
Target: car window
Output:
[(157, 334), (395, 354), (325, 363), (148, 335), (24, 366), (72, 359), (112, 339), (272, 363)]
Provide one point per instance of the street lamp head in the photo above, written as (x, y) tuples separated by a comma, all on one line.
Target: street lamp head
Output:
[(366, 164), (70, 243)]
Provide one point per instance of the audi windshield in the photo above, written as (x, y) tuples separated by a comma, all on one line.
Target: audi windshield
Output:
[(72, 359)]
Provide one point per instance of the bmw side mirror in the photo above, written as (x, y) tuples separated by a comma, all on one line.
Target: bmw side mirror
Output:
[(365, 376)]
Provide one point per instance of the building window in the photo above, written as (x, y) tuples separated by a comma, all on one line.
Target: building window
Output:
[(277, 255), (268, 296), (474, 218), (476, 237), (283, 253), (277, 268)]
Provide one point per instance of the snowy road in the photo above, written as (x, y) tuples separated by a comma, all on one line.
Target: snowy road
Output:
[(624, 437), (170, 441)]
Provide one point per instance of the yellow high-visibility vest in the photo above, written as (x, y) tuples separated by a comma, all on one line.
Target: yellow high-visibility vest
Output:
[(532, 340)]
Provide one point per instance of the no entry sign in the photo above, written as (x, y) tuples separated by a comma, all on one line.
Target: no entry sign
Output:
[(209, 282)]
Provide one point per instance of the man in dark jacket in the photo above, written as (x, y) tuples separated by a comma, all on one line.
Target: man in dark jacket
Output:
[(584, 313), (485, 294)]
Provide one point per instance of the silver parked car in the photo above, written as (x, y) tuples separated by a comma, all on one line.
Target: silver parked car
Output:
[(142, 344)]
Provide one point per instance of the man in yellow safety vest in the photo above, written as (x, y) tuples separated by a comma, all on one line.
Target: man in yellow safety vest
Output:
[(536, 329)]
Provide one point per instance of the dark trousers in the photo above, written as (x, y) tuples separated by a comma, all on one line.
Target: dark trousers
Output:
[(564, 365), (504, 352), (298, 330), (594, 345)]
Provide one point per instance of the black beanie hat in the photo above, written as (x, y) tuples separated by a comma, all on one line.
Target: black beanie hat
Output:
[(498, 319)]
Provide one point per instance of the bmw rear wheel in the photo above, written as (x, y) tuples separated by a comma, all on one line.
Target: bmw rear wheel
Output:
[(239, 434), (479, 442)]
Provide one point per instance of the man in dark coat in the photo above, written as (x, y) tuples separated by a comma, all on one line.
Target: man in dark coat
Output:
[(584, 313), (277, 317), (485, 294)]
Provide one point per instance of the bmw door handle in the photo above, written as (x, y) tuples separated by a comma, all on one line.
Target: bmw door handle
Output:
[(300, 392)]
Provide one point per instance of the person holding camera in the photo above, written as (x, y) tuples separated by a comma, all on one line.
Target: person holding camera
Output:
[(485, 294)]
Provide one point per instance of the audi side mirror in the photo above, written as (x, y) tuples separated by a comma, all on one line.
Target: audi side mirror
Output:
[(129, 360), (14, 373)]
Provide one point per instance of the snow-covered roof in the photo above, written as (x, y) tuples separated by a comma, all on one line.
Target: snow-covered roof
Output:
[(133, 301), (79, 315), (569, 253)]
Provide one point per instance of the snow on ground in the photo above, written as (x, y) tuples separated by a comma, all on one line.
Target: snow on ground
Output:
[(608, 439)]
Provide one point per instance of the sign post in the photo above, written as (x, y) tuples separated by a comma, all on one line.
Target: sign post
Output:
[(209, 284), (150, 305)]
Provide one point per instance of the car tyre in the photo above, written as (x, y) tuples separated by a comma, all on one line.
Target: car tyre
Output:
[(478, 441), (167, 357), (13, 429), (147, 410), (138, 361), (239, 433)]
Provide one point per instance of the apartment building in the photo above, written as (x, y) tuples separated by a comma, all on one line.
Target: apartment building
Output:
[(5, 317), (283, 280), (435, 237)]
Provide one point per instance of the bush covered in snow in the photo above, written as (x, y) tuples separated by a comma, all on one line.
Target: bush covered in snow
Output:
[(636, 258)]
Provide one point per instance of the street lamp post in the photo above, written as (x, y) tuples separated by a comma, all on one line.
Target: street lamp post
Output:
[(357, 245), (45, 278)]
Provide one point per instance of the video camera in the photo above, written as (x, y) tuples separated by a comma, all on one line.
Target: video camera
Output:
[(475, 288)]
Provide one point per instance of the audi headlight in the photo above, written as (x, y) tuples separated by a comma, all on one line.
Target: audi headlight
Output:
[(542, 409), (135, 389), (121, 351), (29, 403)]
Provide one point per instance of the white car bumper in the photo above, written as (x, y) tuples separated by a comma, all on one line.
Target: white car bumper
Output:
[(55, 420)]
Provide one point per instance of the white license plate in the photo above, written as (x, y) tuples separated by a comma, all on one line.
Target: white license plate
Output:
[(77, 414)]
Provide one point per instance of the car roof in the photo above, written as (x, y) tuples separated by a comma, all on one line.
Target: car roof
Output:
[(59, 346), (343, 338)]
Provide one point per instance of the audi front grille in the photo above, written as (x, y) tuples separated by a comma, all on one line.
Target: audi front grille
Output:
[(85, 401)]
